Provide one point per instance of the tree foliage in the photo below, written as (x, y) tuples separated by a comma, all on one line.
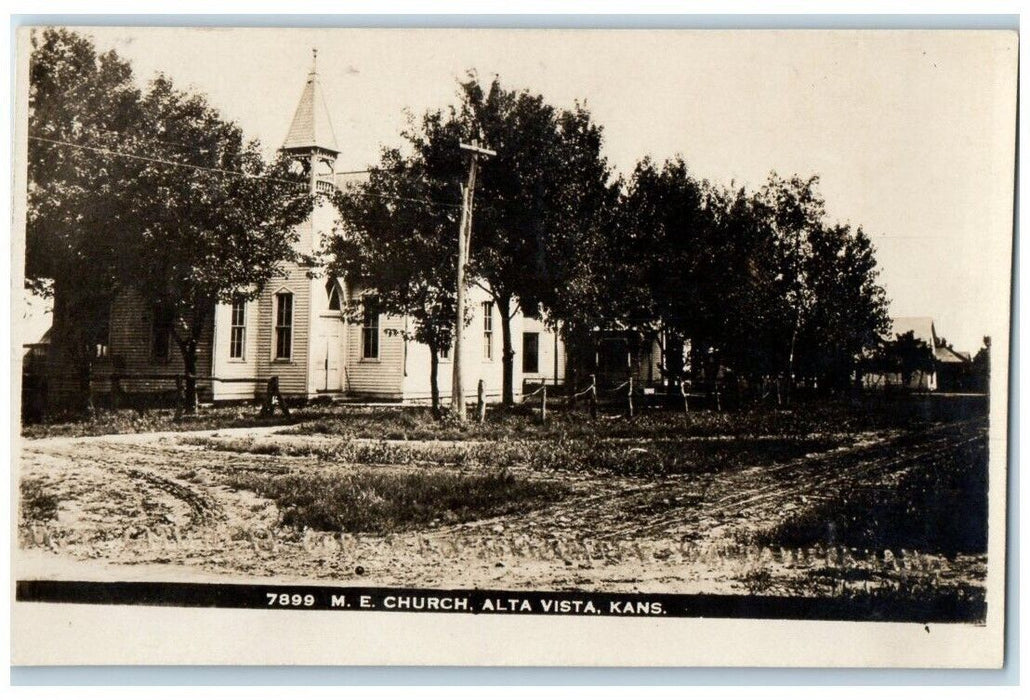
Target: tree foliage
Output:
[(144, 190), (207, 234), (76, 219), (759, 282), (539, 205), (906, 355)]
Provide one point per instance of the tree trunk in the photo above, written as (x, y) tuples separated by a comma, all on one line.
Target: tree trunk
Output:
[(507, 353), (790, 356), (434, 386), (189, 359), (571, 336)]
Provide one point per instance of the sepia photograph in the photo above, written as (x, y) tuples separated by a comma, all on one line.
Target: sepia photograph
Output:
[(699, 338)]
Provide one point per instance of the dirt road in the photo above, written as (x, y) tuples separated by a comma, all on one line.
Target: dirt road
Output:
[(151, 504)]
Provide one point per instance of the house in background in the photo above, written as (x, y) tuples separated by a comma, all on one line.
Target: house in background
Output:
[(954, 369), (296, 328), (951, 369)]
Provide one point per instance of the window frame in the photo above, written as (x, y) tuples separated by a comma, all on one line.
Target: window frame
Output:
[(535, 355), (240, 327), (370, 321), (159, 314), (332, 289), (488, 331), (283, 330), (102, 344)]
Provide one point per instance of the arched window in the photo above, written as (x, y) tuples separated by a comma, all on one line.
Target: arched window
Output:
[(333, 291)]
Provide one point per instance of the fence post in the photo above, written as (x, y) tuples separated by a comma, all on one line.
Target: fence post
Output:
[(481, 401), (267, 406), (593, 396), (718, 397), (629, 396), (282, 402), (272, 395), (683, 393), (543, 403)]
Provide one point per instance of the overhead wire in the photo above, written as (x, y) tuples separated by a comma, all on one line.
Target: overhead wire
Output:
[(234, 173)]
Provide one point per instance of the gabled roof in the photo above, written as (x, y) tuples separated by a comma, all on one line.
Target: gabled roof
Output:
[(949, 356), (311, 127), (920, 326)]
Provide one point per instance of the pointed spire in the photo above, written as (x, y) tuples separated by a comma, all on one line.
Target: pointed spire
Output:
[(311, 127)]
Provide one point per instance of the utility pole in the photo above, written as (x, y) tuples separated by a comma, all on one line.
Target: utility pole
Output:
[(464, 236)]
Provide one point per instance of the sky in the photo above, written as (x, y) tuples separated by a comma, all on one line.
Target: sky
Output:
[(911, 133)]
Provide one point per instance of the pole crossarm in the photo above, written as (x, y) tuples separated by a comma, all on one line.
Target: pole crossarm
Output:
[(476, 148)]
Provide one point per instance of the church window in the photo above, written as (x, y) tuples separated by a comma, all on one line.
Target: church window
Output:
[(370, 330), (333, 290), (283, 326)]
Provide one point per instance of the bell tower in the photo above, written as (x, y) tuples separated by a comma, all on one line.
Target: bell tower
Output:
[(311, 140)]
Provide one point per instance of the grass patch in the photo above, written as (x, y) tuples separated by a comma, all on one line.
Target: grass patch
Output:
[(830, 416), (845, 415), (380, 502), (352, 451), (109, 422), (670, 457), (561, 453), (38, 503)]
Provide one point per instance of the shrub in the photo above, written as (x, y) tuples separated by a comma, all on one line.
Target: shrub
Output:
[(379, 502), (38, 503)]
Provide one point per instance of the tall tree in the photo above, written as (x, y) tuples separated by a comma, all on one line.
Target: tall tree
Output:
[(81, 105), (670, 277), (982, 367), (577, 264), (522, 194), (796, 211), (400, 245), (757, 281), (211, 220), (848, 310)]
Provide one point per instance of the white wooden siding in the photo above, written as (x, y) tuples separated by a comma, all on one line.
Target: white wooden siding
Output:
[(226, 367), (292, 373), (416, 383)]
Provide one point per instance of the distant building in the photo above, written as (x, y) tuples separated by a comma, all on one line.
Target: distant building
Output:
[(952, 369)]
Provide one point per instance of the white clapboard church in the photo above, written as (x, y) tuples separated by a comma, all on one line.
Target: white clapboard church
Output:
[(296, 330)]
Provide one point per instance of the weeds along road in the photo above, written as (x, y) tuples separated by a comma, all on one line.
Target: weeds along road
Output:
[(115, 492)]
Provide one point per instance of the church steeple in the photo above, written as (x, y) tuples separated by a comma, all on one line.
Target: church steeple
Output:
[(311, 138)]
